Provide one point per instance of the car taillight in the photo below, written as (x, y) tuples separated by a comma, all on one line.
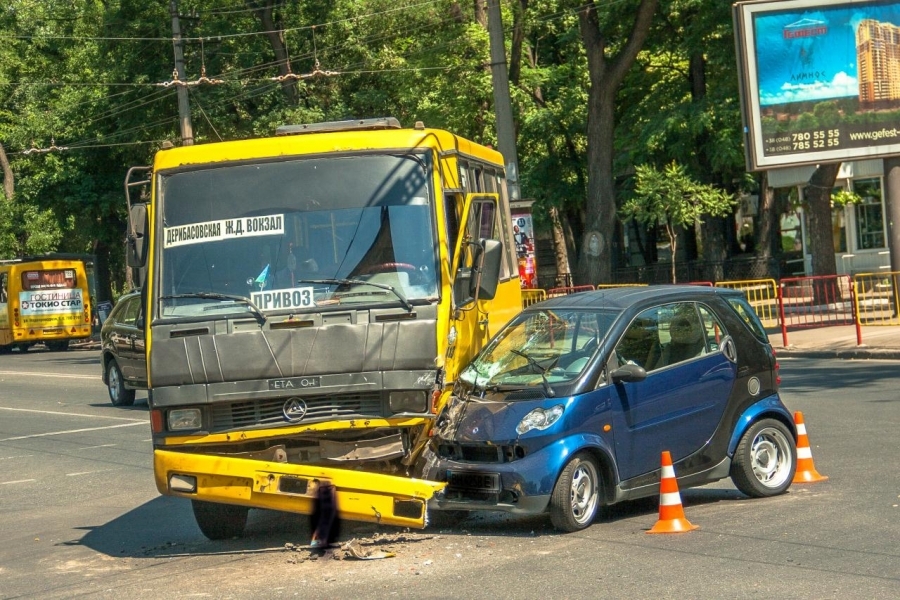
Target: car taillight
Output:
[(776, 368)]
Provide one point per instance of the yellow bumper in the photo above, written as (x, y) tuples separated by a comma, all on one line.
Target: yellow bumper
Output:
[(292, 488)]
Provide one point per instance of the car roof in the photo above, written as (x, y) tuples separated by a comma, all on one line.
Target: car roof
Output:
[(621, 298)]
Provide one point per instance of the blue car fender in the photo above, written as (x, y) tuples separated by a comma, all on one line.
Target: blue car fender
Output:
[(565, 448), (770, 407)]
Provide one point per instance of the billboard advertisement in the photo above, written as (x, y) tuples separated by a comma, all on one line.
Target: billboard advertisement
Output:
[(820, 80)]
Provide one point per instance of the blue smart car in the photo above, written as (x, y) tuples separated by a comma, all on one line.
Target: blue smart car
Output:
[(570, 406)]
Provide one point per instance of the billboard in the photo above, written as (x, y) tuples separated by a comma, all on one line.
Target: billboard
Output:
[(820, 80)]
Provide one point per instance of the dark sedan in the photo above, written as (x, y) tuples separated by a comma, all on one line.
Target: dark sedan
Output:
[(122, 354)]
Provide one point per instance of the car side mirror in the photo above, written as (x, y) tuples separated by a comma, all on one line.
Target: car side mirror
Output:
[(628, 373)]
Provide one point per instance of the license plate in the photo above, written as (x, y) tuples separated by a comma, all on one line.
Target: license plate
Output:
[(470, 480)]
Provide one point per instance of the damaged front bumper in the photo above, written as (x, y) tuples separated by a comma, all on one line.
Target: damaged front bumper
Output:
[(523, 487), (289, 487)]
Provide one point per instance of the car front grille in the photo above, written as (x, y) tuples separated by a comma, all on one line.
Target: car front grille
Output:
[(480, 453), (318, 408)]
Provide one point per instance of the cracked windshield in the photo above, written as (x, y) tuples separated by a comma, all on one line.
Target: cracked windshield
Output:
[(298, 235), (540, 348)]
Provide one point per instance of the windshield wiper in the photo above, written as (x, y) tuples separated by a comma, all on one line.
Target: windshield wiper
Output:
[(542, 370), (392, 289), (217, 296)]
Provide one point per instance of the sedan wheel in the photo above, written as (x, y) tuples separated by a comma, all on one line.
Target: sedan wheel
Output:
[(765, 459), (576, 495), (118, 395)]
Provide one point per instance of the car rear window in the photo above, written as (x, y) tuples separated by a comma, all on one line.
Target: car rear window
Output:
[(749, 316)]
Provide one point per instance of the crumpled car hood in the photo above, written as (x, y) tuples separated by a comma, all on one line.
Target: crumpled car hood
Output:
[(489, 419)]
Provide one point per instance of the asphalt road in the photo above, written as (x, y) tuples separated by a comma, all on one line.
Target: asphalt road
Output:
[(81, 518)]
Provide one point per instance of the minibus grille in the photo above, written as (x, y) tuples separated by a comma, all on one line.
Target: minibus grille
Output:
[(252, 413)]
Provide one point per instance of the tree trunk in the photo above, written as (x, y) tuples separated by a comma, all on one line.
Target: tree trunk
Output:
[(481, 13), (518, 39), (818, 200), (8, 180), (673, 246), (264, 10), (560, 253), (714, 248), (766, 233), (821, 242), (597, 261)]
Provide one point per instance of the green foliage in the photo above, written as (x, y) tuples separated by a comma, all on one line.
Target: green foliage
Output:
[(85, 75), (844, 197), (672, 198)]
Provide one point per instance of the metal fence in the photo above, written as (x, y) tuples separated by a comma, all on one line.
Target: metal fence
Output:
[(877, 298), (795, 302), (820, 301)]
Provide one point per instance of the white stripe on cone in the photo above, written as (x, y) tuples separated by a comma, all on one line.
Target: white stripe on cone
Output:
[(670, 499)]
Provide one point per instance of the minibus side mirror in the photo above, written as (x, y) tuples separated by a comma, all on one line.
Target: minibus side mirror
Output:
[(135, 242)]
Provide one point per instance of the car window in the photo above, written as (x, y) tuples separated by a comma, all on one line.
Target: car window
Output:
[(540, 348), (713, 329), (663, 336), (640, 342), (748, 315), (130, 311)]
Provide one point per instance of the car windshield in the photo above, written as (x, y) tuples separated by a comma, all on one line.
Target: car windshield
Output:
[(298, 235), (540, 348)]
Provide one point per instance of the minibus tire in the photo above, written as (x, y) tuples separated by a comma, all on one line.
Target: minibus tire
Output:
[(220, 521)]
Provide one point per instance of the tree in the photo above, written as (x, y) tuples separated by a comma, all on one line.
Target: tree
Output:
[(673, 199), (606, 72)]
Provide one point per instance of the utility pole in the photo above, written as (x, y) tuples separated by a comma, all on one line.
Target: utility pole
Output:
[(506, 136), (184, 108)]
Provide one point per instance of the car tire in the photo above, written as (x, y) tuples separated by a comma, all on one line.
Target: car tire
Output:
[(576, 495), (115, 384), (765, 459), (220, 521)]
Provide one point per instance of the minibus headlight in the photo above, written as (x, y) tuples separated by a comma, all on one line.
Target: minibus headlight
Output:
[(181, 419), (408, 401)]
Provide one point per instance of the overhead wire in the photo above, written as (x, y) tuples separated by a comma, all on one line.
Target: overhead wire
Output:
[(243, 76)]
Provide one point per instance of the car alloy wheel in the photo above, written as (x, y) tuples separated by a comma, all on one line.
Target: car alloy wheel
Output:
[(765, 459)]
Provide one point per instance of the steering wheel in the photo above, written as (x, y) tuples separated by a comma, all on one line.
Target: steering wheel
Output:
[(389, 266)]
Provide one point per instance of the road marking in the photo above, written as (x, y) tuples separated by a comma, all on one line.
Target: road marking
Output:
[(19, 481), (87, 472), (49, 433), (42, 374), (100, 446), (65, 414)]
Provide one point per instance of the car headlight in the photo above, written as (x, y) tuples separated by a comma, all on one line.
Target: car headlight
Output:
[(540, 419), (408, 401), (181, 419)]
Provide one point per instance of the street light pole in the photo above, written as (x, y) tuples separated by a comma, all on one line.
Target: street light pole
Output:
[(506, 136), (184, 108)]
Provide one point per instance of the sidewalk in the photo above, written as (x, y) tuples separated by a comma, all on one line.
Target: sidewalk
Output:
[(839, 341)]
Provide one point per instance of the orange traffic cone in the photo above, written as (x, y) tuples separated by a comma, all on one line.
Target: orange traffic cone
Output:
[(806, 469), (671, 513)]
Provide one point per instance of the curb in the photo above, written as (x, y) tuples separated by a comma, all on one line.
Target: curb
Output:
[(842, 353)]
